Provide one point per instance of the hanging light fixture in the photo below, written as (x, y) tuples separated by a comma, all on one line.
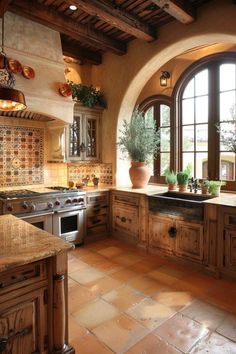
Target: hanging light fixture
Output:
[(10, 99)]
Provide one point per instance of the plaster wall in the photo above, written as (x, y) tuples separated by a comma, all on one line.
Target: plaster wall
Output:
[(126, 76)]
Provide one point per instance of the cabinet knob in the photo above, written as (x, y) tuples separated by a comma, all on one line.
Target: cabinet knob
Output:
[(172, 231), (123, 219), (3, 343)]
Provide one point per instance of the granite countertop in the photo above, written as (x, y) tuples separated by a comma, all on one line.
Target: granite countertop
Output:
[(22, 243)]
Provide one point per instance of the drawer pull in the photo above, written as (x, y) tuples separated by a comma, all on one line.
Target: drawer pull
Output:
[(172, 231), (96, 221), (123, 219), (232, 220), (2, 285), (4, 339)]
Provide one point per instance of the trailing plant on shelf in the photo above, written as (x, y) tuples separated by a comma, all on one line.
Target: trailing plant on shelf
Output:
[(171, 179), (87, 95), (139, 140)]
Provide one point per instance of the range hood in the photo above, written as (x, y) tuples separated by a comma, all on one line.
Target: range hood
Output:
[(38, 47)]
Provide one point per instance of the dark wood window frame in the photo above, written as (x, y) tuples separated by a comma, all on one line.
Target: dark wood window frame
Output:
[(155, 102)]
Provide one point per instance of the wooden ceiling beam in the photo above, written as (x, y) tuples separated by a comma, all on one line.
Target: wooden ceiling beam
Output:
[(3, 6), (181, 10), (83, 54), (34, 11), (116, 17)]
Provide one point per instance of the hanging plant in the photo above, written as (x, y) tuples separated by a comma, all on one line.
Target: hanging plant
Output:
[(87, 95)]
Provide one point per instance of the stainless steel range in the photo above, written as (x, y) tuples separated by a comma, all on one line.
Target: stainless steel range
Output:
[(58, 210)]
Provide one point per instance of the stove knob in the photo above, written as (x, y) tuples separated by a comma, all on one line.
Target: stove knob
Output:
[(80, 200), (57, 202), (9, 207), (32, 207), (75, 200), (25, 205), (50, 205), (68, 201)]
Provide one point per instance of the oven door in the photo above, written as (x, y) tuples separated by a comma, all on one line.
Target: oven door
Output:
[(42, 221), (70, 225)]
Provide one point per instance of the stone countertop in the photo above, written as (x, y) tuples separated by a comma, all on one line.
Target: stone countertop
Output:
[(225, 199), (22, 243)]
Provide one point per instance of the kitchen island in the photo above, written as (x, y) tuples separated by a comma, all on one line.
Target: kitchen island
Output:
[(33, 289)]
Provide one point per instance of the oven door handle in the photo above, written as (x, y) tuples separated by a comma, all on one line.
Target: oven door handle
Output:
[(68, 210), (29, 216)]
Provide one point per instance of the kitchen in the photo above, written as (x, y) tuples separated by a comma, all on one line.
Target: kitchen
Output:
[(136, 75)]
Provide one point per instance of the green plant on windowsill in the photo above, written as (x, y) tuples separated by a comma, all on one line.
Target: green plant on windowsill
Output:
[(171, 179), (88, 96), (214, 187), (182, 178)]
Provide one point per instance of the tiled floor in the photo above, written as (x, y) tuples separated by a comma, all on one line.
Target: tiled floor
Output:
[(122, 300)]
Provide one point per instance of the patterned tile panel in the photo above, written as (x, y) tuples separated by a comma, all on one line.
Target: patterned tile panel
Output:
[(79, 171), (21, 155)]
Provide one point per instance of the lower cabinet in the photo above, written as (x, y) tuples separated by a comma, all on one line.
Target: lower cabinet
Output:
[(176, 237), (97, 215), (125, 220)]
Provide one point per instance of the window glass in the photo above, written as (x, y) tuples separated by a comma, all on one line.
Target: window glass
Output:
[(164, 115), (188, 111), (227, 77), (201, 83), (201, 109), (189, 90), (202, 137)]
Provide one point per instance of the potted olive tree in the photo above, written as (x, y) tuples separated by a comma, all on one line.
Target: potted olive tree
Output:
[(139, 140)]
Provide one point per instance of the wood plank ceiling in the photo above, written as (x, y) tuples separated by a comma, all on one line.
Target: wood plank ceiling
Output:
[(99, 26)]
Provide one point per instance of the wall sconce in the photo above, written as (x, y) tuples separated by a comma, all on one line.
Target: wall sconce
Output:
[(163, 78)]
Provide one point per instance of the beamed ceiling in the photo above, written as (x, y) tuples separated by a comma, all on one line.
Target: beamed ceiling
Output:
[(99, 26)]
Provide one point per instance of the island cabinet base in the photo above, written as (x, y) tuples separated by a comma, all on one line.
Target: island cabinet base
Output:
[(33, 308)]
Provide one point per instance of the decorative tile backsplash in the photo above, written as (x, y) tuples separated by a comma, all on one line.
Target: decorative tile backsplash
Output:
[(101, 170), (21, 155)]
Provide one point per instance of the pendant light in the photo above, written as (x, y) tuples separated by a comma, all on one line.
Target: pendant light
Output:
[(10, 99)]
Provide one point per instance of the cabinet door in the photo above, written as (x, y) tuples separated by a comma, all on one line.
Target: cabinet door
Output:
[(91, 125), (159, 237), (125, 219), (75, 143), (189, 240), (23, 324), (230, 249)]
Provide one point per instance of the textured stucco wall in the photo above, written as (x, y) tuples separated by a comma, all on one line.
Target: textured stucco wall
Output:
[(126, 76)]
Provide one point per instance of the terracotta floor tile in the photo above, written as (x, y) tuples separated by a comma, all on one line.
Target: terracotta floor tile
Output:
[(144, 266), (173, 299), (228, 328), (126, 259), (92, 259), (79, 295), (124, 275), (75, 264), (210, 316), (181, 332), (108, 267), (222, 296), (75, 330), (123, 297), (90, 345), (198, 284), (110, 252), (120, 333), (164, 278), (103, 285), (152, 345), (71, 283), (174, 271), (80, 252), (86, 275), (94, 313), (146, 285), (214, 344), (150, 313)]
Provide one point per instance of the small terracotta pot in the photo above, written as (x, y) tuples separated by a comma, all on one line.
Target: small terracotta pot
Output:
[(139, 174), (204, 190), (182, 187), (172, 186)]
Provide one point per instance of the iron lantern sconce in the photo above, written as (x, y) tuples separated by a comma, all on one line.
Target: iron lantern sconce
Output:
[(165, 75)]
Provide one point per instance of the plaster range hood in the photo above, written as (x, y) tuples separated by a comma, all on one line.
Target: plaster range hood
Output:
[(39, 47)]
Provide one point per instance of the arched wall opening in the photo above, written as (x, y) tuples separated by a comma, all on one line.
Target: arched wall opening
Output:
[(212, 43)]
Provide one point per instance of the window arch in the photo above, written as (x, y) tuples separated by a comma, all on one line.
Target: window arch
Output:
[(205, 97), (160, 108)]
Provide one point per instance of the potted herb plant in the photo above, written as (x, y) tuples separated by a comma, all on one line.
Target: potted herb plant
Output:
[(182, 179), (139, 140), (204, 186), (88, 96), (214, 187), (171, 180)]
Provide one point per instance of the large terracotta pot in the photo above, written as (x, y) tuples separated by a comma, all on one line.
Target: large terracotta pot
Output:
[(139, 174)]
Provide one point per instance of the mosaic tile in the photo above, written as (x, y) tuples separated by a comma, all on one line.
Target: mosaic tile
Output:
[(79, 171), (21, 155)]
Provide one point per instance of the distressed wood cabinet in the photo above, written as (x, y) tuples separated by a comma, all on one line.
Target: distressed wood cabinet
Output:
[(97, 215), (172, 236), (83, 136), (128, 216)]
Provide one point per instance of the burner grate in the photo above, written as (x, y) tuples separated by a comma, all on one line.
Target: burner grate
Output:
[(16, 194)]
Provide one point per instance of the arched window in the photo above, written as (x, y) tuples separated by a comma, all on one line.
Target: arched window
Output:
[(160, 109), (206, 98)]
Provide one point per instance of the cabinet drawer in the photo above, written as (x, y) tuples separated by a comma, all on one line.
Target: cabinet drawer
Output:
[(125, 220), (96, 220), (23, 276), (230, 219), (101, 198), (97, 210), (126, 198), (97, 230)]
